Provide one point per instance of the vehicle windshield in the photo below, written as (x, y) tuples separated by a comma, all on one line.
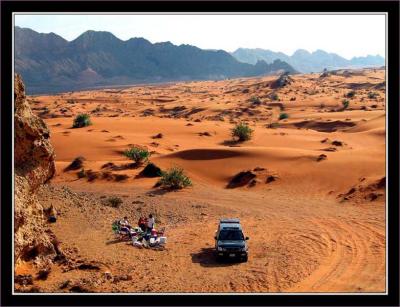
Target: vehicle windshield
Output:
[(231, 235)]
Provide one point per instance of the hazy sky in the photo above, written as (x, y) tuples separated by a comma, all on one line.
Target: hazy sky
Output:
[(346, 35)]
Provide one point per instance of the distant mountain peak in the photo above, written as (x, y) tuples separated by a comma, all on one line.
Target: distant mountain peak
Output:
[(320, 51), (301, 52), (138, 39), (93, 36)]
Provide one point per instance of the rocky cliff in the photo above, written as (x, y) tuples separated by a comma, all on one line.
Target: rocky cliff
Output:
[(34, 166)]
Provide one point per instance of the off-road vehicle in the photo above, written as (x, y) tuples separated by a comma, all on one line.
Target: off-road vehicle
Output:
[(230, 241)]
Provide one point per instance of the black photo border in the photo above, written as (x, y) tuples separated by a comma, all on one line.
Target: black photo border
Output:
[(390, 7)]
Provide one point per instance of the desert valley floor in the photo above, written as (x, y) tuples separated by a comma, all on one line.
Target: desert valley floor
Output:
[(317, 226)]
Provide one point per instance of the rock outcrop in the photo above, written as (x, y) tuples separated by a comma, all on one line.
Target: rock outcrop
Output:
[(241, 179), (283, 80), (34, 166)]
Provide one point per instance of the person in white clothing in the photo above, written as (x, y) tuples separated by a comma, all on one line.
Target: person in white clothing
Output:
[(125, 226)]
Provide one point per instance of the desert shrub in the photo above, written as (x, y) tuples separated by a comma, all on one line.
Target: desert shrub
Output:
[(81, 173), (283, 116), (242, 131), (372, 95), (120, 177), (76, 164), (273, 125), (350, 94), (139, 155), (113, 201), (255, 100), (274, 96), (345, 103), (91, 175), (174, 178), (82, 120), (96, 110)]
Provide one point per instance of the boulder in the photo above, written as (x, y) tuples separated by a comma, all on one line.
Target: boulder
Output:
[(241, 179), (381, 183), (151, 170), (282, 81), (271, 178), (337, 143)]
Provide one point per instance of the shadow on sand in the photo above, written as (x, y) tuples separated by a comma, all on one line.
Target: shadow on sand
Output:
[(231, 143), (206, 257), (116, 241), (161, 191)]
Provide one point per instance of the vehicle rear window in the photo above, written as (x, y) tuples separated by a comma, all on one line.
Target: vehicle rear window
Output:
[(230, 235)]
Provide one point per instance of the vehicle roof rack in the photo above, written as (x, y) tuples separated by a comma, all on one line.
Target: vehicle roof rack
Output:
[(229, 221)]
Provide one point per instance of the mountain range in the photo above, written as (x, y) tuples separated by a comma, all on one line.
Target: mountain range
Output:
[(49, 63), (305, 62)]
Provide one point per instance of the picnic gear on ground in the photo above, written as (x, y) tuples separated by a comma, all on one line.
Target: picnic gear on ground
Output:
[(152, 241), (138, 244), (115, 226), (148, 238)]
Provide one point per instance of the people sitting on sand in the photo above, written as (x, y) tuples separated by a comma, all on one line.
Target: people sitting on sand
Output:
[(125, 225), (125, 222), (142, 223)]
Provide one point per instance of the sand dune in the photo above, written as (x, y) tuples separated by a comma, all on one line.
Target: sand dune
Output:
[(374, 124)]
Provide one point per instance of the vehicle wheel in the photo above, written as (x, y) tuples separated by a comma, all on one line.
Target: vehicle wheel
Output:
[(245, 258)]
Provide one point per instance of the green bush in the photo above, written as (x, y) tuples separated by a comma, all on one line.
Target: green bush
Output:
[(283, 116), (242, 131), (372, 95), (350, 94), (82, 120), (137, 154), (345, 103), (174, 178)]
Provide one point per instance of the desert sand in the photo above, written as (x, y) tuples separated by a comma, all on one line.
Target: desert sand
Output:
[(319, 226)]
